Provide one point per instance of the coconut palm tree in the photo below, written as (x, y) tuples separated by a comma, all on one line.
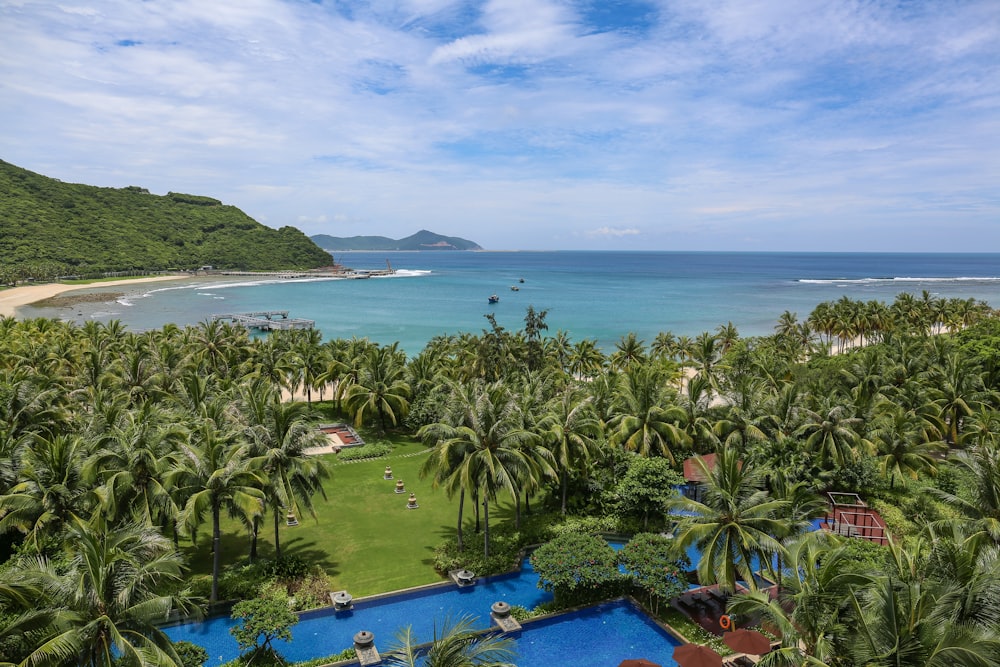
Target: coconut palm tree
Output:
[(958, 391), (643, 422), (482, 444), (586, 360), (734, 525), (380, 387), (980, 504), (831, 436), (130, 466), (50, 489), (570, 430), (906, 442), (907, 619), (629, 351), (811, 607), (279, 435), (104, 607), (213, 473), (460, 644)]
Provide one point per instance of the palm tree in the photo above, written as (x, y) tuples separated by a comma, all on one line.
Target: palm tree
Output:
[(570, 430), (906, 442), (105, 607), (980, 504), (485, 433), (629, 351), (831, 436), (907, 619), (586, 360), (642, 424), (213, 473), (810, 608), (460, 644), (130, 466), (279, 435), (735, 524), (695, 401), (380, 387), (50, 491), (959, 392)]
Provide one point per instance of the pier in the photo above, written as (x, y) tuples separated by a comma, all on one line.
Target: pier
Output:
[(263, 320), (354, 274)]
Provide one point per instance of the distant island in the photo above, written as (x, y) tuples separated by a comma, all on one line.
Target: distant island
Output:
[(49, 228), (422, 240)]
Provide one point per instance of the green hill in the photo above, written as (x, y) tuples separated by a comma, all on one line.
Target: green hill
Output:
[(422, 240), (82, 229)]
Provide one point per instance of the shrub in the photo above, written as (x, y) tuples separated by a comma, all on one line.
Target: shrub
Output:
[(369, 451), (650, 561), (191, 655), (578, 568)]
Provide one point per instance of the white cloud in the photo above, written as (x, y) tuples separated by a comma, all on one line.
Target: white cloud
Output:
[(614, 232), (717, 121)]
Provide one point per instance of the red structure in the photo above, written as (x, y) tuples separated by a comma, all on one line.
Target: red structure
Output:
[(851, 517)]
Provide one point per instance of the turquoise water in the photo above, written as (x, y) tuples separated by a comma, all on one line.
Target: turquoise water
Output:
[(599, 295)]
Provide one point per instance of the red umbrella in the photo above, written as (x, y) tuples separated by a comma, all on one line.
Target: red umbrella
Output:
[(696, 655), (637, 662), (747, 641)]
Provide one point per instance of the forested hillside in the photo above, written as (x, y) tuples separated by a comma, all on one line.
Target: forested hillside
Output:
[(49, 228), (422, 240)]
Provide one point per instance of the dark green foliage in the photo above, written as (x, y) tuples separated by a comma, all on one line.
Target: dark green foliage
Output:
[(422, 240), (263, 620), (191, 655), (646, 487), (370, 451), (578, 568), (649, 560), (85, 230)]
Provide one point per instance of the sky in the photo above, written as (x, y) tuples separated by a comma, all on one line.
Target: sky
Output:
[(794, 125)]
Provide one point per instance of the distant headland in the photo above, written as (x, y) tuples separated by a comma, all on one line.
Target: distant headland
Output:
[(422, 240)]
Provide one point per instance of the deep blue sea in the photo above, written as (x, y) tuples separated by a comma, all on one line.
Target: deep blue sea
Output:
[(599, 295)]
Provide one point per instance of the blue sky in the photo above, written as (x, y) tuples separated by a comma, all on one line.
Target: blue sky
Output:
[(530, 124)]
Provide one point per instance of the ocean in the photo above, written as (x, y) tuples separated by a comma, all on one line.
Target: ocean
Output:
[(598, 295)]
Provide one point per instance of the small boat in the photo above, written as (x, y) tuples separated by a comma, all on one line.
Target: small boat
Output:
[(514, 288), (494, 298), (521, 280)]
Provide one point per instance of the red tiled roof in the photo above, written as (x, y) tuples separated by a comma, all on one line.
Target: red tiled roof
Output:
[(692, 471)]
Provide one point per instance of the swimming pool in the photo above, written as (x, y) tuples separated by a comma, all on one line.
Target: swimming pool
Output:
[(326, 632), (599, 636)]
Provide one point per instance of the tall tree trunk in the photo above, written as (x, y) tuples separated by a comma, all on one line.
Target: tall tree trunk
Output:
[(527, 502), (565, 486), (277, 539), (475, 501), (461, 506), (517, 511), (216, 553), (486, 525), (254, 525)]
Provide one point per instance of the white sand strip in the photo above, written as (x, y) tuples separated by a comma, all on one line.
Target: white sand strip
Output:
[(11, 299)]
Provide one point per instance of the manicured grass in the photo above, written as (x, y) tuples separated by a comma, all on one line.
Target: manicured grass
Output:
[(364, 536)]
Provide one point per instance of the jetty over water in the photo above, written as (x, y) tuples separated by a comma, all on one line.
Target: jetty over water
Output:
[(354, 274), (264, 320)]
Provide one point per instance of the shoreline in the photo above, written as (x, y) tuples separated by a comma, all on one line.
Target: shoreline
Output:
[(24, 295)]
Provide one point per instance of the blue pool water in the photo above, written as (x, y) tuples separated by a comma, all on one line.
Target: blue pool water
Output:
[(325, 632), (600, 636)]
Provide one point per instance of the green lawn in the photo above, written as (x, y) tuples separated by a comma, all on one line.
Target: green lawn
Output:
[(364, 536)]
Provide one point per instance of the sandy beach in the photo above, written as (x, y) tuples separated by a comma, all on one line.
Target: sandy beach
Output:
[(11, 299)]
